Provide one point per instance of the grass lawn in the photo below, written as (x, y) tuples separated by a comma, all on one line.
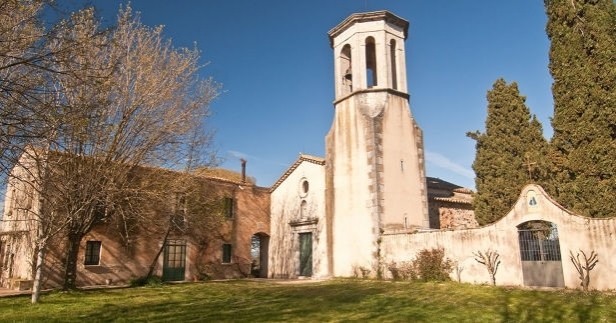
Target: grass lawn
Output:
[(335, 300)]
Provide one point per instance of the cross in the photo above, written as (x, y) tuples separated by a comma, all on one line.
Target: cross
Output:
[(529, 164)]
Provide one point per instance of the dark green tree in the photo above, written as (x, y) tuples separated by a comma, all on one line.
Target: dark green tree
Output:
[(509, 154), (583, 66)]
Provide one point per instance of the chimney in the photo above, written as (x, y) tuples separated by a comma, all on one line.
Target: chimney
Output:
[(243, 161)]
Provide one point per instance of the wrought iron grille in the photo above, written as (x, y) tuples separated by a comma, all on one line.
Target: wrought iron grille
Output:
[(539, 244)]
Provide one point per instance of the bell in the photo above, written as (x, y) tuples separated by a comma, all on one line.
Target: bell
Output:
[(348, 75)]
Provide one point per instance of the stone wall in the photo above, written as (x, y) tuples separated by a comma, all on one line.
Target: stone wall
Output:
[(575, 233)]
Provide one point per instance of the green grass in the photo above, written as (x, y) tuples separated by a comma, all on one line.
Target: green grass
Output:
[(335, 300)]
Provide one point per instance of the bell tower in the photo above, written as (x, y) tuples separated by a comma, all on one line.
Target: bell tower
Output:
[(375, 169)]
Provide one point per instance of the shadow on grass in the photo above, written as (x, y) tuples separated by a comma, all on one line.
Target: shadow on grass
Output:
[(335, 300)]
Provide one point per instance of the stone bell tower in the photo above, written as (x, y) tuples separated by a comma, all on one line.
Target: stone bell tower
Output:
[(374, 150)]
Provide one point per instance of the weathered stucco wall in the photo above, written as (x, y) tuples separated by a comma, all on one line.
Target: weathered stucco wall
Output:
[(295, 210), (575, 233), (404, 181), (354, 180)]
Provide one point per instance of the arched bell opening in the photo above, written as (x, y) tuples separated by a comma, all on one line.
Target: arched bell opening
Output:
[(346, 70), (371, 73)]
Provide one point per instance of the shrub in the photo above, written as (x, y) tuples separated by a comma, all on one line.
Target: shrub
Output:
[(431, 265)]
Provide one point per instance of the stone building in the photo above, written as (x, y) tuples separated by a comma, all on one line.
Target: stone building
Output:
[(227, 240), (450, 206)]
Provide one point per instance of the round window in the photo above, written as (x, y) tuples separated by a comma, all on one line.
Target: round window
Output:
[(303, 187)]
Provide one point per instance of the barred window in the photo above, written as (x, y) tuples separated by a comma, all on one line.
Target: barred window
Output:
[(93, 253)]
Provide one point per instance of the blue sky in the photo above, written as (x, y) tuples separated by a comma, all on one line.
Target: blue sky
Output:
[(274, 61)]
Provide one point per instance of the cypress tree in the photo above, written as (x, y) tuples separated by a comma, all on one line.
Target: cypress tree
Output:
[(583, 65), (512, 142)]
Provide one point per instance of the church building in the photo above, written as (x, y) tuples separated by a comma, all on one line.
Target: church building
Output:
[(328, 214)]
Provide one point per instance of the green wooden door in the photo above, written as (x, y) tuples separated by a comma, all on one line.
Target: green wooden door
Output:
[(305, 254), (174, 260)]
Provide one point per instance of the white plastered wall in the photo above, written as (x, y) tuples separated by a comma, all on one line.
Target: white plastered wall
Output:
[(575, 233), (287, 222)]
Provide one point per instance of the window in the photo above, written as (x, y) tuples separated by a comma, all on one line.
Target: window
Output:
[(229, 207), (226, 253), (93, 253)]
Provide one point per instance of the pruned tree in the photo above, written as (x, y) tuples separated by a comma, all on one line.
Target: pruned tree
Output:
[(512, 139), (490, 259), (584, 266)]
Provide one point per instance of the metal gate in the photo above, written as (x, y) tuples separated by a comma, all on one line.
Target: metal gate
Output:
[(540, 253), (174, 260)]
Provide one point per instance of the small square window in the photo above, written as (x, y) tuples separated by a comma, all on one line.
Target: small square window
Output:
[(93, 253), (226, 253), (229, 207)]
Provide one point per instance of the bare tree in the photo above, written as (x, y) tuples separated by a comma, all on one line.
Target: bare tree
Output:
[(142, 113), (29, 120), (490, 259), (584, 267)]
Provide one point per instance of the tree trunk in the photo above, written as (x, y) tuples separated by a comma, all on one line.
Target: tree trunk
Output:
[(160, 251), (36, 284), (70, 271)]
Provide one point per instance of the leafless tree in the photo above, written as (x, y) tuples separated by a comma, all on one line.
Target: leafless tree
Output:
[(490, 259), (145, 112), (29, 56), (584, 266), (104, 103)]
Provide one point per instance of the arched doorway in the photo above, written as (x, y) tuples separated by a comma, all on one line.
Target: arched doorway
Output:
[(259, 244), (540, 254)]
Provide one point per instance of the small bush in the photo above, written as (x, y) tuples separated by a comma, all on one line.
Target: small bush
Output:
[(431, 265)]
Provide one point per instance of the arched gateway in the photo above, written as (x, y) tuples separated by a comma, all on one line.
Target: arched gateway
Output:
[(540, 254)]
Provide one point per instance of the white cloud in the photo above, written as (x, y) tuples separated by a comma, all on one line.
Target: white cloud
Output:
[(443, 162)]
